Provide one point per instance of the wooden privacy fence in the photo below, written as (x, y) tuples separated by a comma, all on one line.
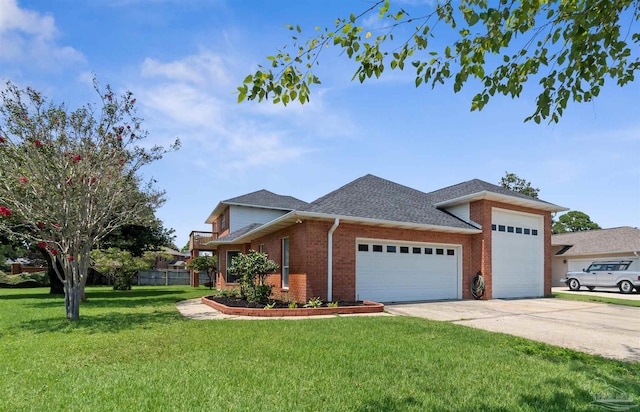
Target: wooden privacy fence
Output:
[(162, 277)]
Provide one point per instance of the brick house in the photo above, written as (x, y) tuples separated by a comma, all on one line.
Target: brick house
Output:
[(378, 240)]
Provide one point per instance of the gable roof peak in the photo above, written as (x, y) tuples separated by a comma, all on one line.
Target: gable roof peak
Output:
[(265, 198)]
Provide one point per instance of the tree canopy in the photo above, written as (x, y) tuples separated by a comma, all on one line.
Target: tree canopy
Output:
[(511, 181), (120, 265), (569, 47), (206, 264), (574, 221), (69, 178)]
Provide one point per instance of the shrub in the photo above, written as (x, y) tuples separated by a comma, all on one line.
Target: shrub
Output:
[(313, 303), (252, 269), (24, 280)]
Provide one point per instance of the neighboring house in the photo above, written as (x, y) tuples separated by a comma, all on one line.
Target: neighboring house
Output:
[(575, 251), (168, 258), (374, 239)]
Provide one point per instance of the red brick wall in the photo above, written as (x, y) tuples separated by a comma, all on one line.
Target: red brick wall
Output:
[(308, 253), (217, 226), (221, 282), (298, 290)]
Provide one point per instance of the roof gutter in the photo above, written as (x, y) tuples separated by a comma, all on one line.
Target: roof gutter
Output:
[(330, 259)]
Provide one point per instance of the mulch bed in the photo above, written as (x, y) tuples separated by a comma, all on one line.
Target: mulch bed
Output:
[(241, 303)]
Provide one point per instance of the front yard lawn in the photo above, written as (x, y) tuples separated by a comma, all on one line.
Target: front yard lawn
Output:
[(601, 299), (132, 351)]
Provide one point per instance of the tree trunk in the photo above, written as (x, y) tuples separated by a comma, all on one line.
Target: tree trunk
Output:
[(55, 284), (72, 302)]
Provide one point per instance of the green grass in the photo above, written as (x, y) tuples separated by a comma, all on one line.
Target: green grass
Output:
[(132, 351), (601, 299)]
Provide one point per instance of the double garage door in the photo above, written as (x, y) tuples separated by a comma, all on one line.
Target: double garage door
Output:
[(396, 271)]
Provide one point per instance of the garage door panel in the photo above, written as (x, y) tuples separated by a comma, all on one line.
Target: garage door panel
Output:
[(386, 277), (517, 254)]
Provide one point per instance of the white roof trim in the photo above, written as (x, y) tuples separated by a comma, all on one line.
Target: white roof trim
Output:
[(609, 252), (487, 195), (218, 209)]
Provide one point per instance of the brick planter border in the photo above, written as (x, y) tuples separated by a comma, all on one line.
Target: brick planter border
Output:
[(369, 307)]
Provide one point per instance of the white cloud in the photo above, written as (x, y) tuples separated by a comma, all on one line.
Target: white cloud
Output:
[(193, 98), (27, 36), (202, 69)]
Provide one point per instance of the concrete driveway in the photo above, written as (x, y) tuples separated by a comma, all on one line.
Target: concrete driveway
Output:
[(612, 331)]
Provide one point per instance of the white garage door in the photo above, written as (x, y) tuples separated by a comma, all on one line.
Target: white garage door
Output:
[(517, 253), (394, 271)]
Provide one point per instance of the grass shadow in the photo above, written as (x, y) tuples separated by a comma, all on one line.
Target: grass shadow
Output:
[(571, 397), (390, 404), (110, 322), (31, 295), (115, 302)]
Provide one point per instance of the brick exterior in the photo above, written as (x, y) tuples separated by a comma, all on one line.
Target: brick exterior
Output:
[(308, 257), (308, 253), (480, 212), (221, 282)]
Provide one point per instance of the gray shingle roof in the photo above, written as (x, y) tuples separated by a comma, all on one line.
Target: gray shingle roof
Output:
[(230, 237), (266, 198), (618, 239), (473, 186), (376, 198)]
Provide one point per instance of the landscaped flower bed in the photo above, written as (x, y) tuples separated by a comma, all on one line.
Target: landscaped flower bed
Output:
[(240, 307)]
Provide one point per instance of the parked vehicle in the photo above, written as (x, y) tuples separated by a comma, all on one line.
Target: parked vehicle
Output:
[(606, 274)]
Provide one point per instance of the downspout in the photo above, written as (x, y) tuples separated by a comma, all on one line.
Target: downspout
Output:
[(330, 259)]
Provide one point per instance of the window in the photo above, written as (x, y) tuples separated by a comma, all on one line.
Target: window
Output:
[(428, 251), (363, 248), (451, 252), (493, 227), (501, 228), (223, 222), (518, 230), (404, 249), (377, 248), (439, 251), (231, 277), (285, 262), (526, 231), (534, 232), (417, 250), (261, 248), (215, 227), (391, 249), (510, 229)]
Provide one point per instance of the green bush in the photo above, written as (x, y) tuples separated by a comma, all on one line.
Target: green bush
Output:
[(24, 280), (252, 269)]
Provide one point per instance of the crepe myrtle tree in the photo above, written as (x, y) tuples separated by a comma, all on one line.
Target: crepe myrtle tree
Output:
[(69, 177), (569, 47)]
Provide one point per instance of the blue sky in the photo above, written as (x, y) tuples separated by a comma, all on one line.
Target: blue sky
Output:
[(184, 59)]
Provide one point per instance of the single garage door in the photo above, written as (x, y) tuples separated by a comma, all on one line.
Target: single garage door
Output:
[(517, 253), (395, 271)]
